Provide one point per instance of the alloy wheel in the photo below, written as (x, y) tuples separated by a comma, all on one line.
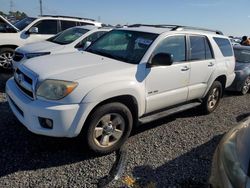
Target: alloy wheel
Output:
[(246, 86), (6, 60), (213, 98), (109, 130)]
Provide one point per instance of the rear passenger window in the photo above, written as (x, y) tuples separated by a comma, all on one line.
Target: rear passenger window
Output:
[(200, 48), (225, 46), (175, 45), (47, 27), (84, 23), (198, 51), (67, 24)]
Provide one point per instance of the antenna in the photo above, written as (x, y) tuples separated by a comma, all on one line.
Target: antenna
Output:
[(41, 7)]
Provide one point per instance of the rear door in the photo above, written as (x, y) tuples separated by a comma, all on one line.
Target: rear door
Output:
[(46, 29), (202, 64)]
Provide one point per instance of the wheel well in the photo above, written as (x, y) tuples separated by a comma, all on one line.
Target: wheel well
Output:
[(9, 46), (222, 79), (127, 100)]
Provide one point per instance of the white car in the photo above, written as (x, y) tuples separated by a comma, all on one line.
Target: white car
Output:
[(130, 75), (71, 40), (32, 30)]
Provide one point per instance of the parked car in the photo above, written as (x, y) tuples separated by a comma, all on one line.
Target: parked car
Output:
[(242, 70), (130, 75), (70, 40), (230, 167), (32, 30)]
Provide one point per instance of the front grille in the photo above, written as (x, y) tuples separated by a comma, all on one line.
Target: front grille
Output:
[(26, 91), (18, 56), (26, 78), (24, 82)]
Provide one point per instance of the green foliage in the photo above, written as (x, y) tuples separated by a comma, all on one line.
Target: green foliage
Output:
[(17, 15)]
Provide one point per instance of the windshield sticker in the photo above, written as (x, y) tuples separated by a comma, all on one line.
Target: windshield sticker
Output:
[(144, 41)]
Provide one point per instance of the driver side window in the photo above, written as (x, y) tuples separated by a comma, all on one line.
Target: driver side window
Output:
[(175, 45)]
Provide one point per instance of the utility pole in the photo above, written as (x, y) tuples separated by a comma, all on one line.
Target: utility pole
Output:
[(41, 7), (11, 6)]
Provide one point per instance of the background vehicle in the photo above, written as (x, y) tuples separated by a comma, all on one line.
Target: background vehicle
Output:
[(31, 30), (230, 167), (71, 40), (130, 75), (242, 69)]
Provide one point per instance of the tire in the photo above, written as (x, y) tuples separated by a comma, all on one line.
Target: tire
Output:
[(245, 88), (212, 99), (6, 56), (108, 128)]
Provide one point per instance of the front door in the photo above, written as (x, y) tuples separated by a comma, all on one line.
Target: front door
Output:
[(168, 85)]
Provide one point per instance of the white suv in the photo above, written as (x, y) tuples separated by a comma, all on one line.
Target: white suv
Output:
[(32, 30), (130, 75), (70, 40)]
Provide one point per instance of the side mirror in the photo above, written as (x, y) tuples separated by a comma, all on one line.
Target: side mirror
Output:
[(162, 59), (33, 30), (86, 45)]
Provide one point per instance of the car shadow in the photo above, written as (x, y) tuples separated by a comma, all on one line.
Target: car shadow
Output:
[(3, 79), (22, 150), (188, 169)]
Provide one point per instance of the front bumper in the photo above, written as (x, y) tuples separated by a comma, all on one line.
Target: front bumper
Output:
[(238, 82), (68, 119)]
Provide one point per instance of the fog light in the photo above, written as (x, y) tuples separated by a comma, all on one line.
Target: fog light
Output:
[(46, 122)]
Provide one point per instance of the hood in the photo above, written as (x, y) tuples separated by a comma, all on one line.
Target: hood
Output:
[(241, 66), (73, 66), (5, 21), (43, 46)]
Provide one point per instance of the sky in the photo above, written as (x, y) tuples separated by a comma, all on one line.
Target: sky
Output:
[(232, 17)]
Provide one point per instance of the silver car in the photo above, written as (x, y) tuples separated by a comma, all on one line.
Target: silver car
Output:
[(230, 168), (242, 70)]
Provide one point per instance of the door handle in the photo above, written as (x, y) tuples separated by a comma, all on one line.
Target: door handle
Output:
[(185, 68), (211, 64)]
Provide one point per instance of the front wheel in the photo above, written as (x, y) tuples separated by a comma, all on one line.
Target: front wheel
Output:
[(211, 101), (6, 56), (246, 86), (108, 127)]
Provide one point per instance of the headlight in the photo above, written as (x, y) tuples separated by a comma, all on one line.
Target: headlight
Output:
[(55, 89), (31, 55)]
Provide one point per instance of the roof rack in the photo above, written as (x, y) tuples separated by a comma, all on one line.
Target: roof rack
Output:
[(74, 17), (177, 27)]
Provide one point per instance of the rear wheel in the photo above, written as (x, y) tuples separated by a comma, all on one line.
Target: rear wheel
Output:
[(108, 128), (6, 56), (211, 101), (246, 86)]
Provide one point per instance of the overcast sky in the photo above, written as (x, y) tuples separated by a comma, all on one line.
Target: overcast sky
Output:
[(230, 16)]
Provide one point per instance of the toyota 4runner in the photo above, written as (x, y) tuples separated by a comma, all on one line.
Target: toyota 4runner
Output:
[(130, 75)]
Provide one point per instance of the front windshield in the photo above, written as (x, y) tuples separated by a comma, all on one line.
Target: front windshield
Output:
[(123, 45), (242, 56), (23, 23), (68, 36)]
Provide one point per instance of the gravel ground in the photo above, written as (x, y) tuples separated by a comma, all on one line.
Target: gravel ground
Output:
[(172, 152)]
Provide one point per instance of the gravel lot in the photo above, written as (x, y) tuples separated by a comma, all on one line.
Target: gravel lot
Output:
[(172, 152)]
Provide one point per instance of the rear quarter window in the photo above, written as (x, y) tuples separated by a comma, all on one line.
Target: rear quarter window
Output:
[(225, 46)]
